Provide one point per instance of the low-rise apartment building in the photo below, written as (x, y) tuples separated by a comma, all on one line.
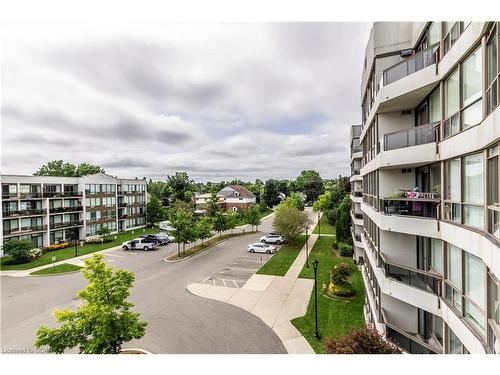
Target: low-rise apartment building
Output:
[(49, 209), (430, 179)]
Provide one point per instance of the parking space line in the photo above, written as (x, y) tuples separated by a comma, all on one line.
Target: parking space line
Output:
[(234, 282), (224, 282)]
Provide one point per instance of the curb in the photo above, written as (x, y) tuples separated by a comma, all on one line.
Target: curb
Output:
[(54, 274), (130, 350), (201, 251)]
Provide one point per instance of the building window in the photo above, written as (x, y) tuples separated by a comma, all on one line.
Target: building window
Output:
[(474, 291), (463, 96), (493, 314), (454, 346), (493, 192), (492, 81)]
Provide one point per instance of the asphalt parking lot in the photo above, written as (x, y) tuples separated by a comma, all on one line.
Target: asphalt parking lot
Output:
[(236, 273)]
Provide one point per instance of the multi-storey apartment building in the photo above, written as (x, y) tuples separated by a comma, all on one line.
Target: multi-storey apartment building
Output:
[(49, 209), (431, 210), (356, 194)]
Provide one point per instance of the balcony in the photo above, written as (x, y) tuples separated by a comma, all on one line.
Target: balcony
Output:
[(410, 342), (425, 280), (122, 217), (65, 224), (31, 212), (122, 204), (65, 209), (14, 231), (412, 204), (418, 135), (411, 65), (72, 194)]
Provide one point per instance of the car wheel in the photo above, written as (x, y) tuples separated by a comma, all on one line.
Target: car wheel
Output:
[(145, 248), (268, 251), (252, 250), (263, 241), (278, 242), (124, 248)]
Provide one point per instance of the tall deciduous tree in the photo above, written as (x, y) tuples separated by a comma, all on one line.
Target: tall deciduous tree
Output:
[(204, 228), (154, 211), (310, 183), (290, 221), (160, 190), (180, 183), (252, 216), (231, 220), (103, 322), (343, 220), (182, 222), (294, 200), (270, 196), (62, 169), (219, 222)]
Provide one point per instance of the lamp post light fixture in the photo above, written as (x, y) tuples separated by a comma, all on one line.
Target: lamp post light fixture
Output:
[(315, 265)]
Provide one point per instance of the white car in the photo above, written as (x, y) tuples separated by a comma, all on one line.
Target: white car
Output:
[(260, 247), (139, 244), (273, 238)]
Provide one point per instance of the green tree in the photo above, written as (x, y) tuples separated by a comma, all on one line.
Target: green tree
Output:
[(270, 195), (212, 204), (62, 169), (160, 190), (219, 222), (294, 200), (204, 228), (252, 216), (18, 250), (103, 231), (180, 183), (343, 220), (154, 211), (290, 221), (103, 322), (310, 183), (182, 222), (231, 220)]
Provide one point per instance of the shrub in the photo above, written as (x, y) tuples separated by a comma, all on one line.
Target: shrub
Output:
[(361, 341), (20, 256), (35, 253), (94, 239), (345, 250), (340, 273), (58, 246), (19, 250), (335, 244), (341, 290), (330, 216)]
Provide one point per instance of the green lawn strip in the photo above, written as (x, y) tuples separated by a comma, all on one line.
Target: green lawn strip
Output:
[(60, 268), (326, 228), (208, 243), (336, 317), (265, 213), (69, 252), (281, 261)]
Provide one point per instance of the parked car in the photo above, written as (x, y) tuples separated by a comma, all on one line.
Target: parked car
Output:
[(139, 244), (273, 238), (159, 238), (260, 247)]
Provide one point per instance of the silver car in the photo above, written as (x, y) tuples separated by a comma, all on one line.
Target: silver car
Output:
[(260, 247), (273, 238)]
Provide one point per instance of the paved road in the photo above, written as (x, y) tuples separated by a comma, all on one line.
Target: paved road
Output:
[(178, 322)]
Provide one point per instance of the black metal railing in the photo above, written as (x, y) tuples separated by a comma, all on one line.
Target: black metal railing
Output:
[(418, 207), (66, 224), (412, 64), (418, 135), (65, 209), (10, 213)]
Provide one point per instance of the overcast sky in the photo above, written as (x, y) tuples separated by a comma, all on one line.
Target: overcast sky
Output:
[(219, 101)]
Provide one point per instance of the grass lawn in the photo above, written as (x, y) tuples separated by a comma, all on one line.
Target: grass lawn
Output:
[(326, 228), (265, 213), (208, 243), (60, 268), (336, 317), (69, 252), (281, 261)]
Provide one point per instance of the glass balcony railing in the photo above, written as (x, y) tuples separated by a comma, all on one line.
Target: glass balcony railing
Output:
[(418, 135), (412, 64), (412, 204)]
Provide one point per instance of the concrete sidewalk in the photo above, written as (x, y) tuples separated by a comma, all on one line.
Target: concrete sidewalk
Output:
[(275, 299)]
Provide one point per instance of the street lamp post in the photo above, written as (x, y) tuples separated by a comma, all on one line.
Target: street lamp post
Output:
[(315, 265), (319, 225), (76, 247), (307, 247)]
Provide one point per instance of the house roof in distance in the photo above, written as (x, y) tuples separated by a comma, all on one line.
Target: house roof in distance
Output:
[(242, 192)]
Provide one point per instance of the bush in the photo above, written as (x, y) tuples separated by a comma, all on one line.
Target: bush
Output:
[(345, 250), (59, 246), (94, 239), (340, 273), (361, 341), (330, 216), (35, 253), (335, 244), (20, 256), (19, 250), (341, 290)]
